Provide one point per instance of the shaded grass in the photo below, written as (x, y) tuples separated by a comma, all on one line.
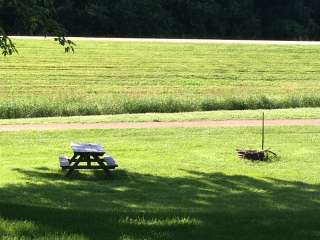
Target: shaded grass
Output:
[(124, 77), (171, 184)]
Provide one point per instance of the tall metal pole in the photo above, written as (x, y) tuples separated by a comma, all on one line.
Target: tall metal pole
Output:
[(262, 131)]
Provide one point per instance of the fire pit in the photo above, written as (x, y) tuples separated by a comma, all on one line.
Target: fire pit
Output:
[(255, 155)]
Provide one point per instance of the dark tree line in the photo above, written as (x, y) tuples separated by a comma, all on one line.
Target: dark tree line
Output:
[(250, 19)]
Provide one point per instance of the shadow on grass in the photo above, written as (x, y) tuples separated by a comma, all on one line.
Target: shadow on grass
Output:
[(137, 206)]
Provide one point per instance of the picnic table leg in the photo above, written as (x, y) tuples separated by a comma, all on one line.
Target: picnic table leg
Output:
[(102, 165), (73, 159), (72, 167), (88, 161), (106, 172)]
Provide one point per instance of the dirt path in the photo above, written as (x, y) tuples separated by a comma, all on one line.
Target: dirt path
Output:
[(184, 124), (204, 41)]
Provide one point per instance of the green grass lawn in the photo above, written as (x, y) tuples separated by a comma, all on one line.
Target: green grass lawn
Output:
[(298, 113), (171, 184), (131, 77)]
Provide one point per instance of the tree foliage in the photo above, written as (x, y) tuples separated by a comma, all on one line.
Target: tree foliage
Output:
[(29, 17), (7, 46)]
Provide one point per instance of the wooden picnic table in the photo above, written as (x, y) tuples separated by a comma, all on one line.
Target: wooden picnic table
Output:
[(91, 155)]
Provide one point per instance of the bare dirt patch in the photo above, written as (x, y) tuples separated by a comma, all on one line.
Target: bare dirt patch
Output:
[(183, 124)]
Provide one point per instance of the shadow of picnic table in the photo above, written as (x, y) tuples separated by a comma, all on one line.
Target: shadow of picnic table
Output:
[(132, 205)]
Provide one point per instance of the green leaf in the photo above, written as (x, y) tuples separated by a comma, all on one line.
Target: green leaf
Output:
[(7, 46)]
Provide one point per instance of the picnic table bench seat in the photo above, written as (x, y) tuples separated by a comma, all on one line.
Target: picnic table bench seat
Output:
[(64, 161), (110, 161)]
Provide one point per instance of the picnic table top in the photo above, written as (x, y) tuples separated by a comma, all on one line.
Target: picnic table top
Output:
[(87, 148)]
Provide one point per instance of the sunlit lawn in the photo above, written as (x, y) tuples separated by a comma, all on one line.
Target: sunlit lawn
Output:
[(171, 184)]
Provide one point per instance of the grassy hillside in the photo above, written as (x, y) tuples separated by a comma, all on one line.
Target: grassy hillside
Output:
[(124, 77), (171, 184)]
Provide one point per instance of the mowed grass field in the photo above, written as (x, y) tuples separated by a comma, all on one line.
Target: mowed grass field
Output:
[(172, 184), (132, 77)]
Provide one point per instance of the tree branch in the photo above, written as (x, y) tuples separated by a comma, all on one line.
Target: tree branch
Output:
[(67, 44), (7, 47)]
